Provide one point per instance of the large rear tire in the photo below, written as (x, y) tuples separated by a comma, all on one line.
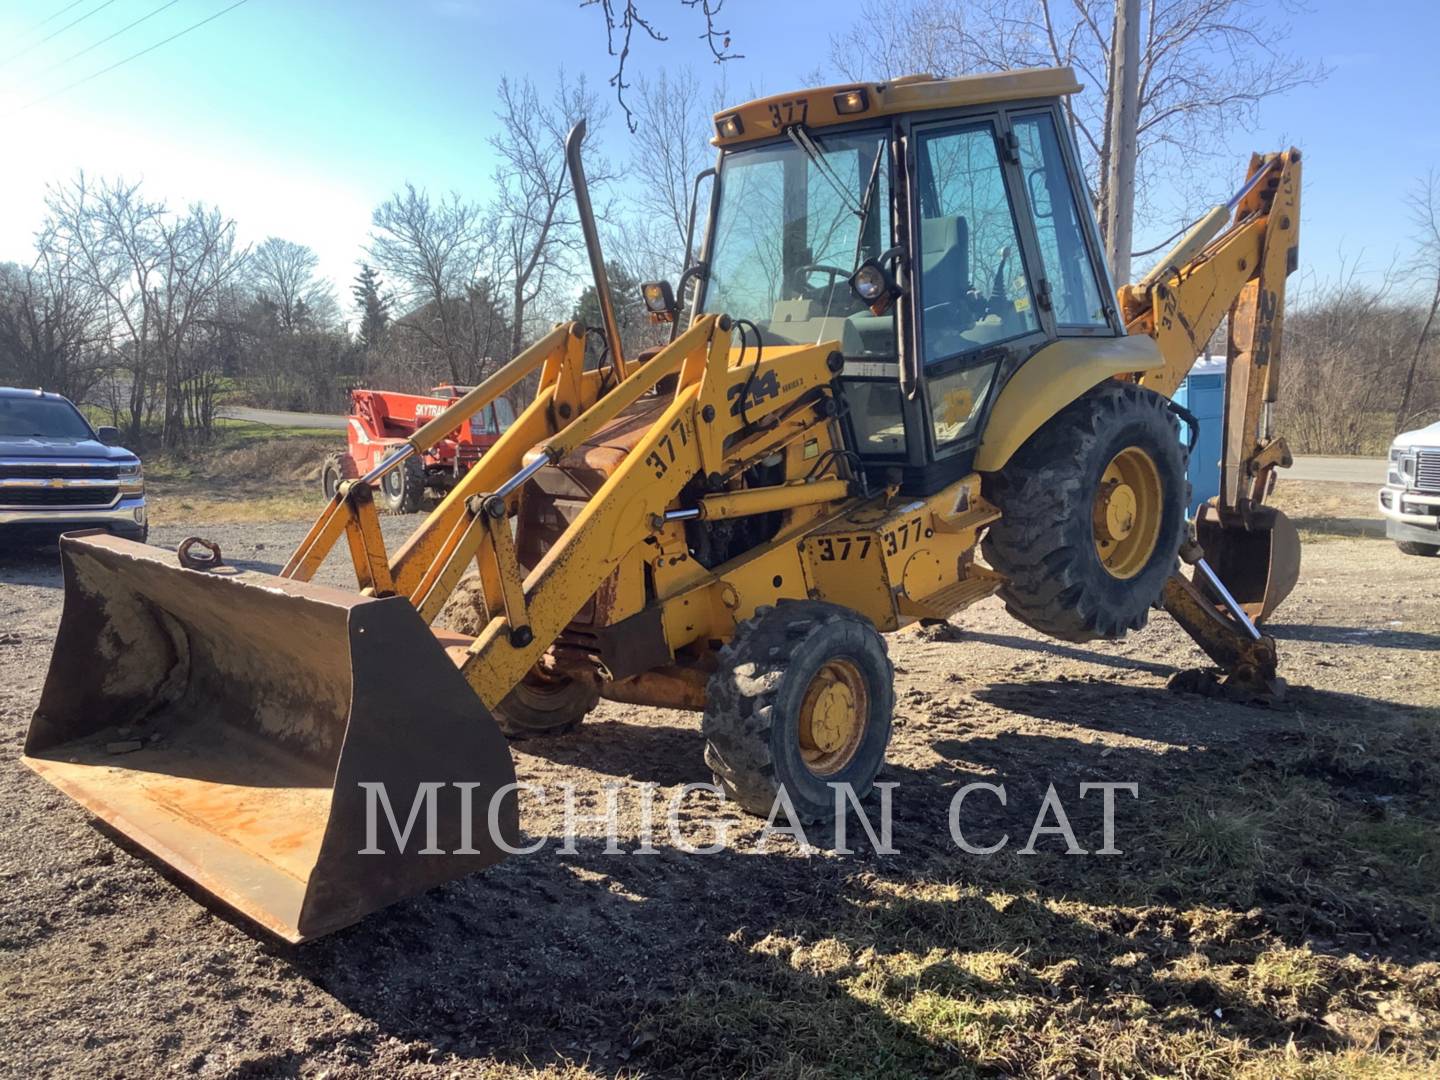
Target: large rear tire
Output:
[(1093, 515), (803, 699), (543, 705)]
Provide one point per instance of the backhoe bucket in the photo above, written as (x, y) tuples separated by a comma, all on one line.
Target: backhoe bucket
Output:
[(293, 750), (1259, 564)]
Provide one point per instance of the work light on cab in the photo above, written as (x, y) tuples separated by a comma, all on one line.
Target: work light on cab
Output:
[(872, 285), (659, 301)]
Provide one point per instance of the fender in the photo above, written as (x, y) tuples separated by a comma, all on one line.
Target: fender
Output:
[(1051, 379)]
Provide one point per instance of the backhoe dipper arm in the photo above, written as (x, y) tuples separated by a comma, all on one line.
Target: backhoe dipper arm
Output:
[(1234, 261)]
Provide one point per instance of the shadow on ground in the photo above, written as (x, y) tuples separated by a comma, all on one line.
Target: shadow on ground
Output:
[(1239, 919)]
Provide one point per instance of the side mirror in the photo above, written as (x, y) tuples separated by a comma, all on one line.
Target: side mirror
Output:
[(659, 301), (108, 435)]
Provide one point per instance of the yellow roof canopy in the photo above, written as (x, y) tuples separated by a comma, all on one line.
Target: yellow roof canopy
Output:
[(846, 102)]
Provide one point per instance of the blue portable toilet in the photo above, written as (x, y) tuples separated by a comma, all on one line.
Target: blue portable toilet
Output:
[(1203, 393)]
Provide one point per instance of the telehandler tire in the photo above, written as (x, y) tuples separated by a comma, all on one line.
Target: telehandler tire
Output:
[(803, 699), (540, 706), (332, 474), (402, 489), (1093, 515)]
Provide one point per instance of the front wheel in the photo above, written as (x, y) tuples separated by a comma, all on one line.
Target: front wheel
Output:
[(1092, 515), (1415, 547), (803, 699)]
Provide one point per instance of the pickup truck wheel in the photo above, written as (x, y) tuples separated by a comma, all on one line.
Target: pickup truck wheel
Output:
[(1415, 547)]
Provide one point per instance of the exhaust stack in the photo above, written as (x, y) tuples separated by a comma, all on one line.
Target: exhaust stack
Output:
[(573, 143)]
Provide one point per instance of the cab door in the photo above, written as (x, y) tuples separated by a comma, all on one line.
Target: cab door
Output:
[(977, 308)]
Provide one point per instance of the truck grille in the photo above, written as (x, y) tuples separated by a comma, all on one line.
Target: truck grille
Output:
[(56, 471), (88, 496), (1427, 470)]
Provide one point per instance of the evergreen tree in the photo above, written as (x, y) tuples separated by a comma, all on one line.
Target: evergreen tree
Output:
[(636, 330), (374, 308)]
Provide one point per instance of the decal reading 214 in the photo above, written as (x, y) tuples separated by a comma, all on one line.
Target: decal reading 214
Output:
[(762, 387)]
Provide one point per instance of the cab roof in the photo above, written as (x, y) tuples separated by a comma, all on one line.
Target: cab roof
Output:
[(822, 106)]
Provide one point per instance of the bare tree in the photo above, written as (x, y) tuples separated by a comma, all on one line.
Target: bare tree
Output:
[(623, 18), (283, 273), (431, 251), (157, 278), (1425, 213), (671, 145), (533, 208), (51, 336), (1205, 67)]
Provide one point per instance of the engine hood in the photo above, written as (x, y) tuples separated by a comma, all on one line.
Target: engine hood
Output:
[(1425, 436), (62, 449)]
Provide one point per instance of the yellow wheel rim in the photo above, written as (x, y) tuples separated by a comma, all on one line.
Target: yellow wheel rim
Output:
[(1129, 506), (833, 717)]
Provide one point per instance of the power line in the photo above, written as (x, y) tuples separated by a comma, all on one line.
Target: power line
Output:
[(133, 56), (108, 37), (56, 14), (56, 33)]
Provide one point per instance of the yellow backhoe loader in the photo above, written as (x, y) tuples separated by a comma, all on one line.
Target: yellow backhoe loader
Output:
[(904, 383)]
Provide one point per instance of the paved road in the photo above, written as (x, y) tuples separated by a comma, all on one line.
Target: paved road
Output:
[(277, 418), (1338, 470)]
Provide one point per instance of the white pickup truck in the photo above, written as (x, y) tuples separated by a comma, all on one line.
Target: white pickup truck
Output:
[(1410, 499)]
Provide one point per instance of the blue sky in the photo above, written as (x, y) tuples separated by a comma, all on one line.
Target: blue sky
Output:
[(297, 117)]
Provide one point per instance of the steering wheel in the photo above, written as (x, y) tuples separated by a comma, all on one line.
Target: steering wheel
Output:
[(802, 274)]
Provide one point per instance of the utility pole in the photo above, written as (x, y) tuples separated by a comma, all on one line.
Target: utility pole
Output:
[(1122, 121)]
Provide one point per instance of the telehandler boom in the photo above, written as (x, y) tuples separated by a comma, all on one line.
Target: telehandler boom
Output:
[(902, 352)]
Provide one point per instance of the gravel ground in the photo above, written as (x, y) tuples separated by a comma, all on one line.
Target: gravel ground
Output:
[(108, 969)]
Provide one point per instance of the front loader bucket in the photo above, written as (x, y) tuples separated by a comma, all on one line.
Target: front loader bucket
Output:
[(234, 725), (1259, 562)]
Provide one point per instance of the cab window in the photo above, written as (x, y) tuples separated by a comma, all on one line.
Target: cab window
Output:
[(1068, 267), (973, 288)]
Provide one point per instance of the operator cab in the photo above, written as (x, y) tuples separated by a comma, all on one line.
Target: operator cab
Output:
[(961, 197)]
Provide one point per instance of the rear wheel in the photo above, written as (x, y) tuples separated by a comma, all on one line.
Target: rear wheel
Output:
[(402, 489), (544, 705), (803, 699), (1093, 514), (1415, 547)]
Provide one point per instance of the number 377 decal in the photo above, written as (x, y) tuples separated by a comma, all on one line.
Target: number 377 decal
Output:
[(891, 541)]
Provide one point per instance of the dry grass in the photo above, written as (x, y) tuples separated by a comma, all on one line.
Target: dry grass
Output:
[(245, 477), (1323, 511)]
